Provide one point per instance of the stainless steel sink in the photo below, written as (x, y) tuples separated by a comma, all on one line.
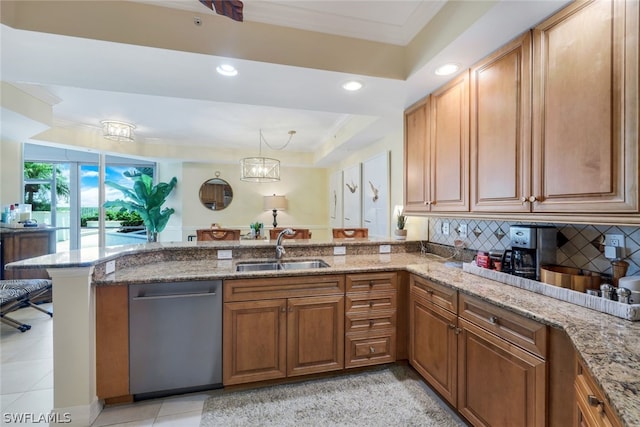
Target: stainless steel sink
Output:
[(280, 265)]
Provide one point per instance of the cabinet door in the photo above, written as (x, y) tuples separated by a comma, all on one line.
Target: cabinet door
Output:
[(112, 342), (501, 129), (416, 158), (254, 341), (315, 334), (23, 245), (449, 155), (585, 98), (433, 345), (499, 384)]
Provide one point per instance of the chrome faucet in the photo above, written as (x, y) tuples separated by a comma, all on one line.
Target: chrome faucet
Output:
[(279, 248)]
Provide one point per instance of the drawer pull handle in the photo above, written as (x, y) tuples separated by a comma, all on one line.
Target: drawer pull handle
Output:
[(372, 350), (451, 326), (493, 320), (371, 303), (593, 400), (371, 323), (430, 291), (371, 283)]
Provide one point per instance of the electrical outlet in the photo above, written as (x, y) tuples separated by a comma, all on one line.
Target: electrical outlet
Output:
[(615, 240), (225, 254), (462, 231), (385, 249), (110, 267), (445, 228)]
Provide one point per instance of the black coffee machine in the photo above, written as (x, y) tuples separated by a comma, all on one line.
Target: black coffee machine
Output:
[(532, 246)]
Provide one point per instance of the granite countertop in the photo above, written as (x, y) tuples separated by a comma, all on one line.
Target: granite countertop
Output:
[(40, 227), (609, 346)]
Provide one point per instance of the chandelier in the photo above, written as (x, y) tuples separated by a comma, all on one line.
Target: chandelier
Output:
[(262, 169), (118, 131)]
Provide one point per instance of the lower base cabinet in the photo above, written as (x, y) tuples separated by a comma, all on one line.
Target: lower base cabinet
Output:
[(270, 338), (499, 384), (488, 363)]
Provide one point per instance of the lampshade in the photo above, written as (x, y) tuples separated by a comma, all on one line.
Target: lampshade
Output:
[(118, 131), (275, 202), (259, 169)]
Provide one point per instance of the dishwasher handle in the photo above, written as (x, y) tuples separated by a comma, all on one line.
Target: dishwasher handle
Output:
[(173, 296)]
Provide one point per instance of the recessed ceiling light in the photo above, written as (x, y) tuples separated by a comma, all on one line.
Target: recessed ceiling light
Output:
[(227, 70), (447, 69), (352, 85)]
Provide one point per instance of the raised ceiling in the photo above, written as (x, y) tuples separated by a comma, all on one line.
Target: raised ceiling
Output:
[(150, 64)]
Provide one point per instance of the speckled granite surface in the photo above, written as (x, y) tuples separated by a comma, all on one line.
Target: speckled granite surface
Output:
[(610, 347)]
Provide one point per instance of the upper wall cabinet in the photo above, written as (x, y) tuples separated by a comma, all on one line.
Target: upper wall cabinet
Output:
[(437, 150), (585, 109), (416, 157), (449, 151), (500, 129)]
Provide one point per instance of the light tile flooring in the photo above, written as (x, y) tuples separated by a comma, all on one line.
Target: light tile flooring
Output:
[(26, 382)]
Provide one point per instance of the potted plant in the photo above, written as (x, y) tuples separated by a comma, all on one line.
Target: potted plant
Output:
[(256, 229), (400, 233), (146, 200)]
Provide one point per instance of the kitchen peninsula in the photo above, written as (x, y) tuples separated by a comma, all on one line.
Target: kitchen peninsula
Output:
[(607, 346)]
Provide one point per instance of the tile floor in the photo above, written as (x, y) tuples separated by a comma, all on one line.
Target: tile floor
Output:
[(26, 382)]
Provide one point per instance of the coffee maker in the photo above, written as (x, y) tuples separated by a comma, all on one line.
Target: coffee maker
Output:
[(532, 246)]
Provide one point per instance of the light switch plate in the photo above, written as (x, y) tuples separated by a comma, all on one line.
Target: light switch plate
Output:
[(385, 249), (110, 267), (339, 250), (225, 254)]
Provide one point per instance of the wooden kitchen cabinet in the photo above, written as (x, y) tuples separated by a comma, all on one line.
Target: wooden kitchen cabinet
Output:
[(437, 150), (279, 327), (19, 244), (449, 147), (585, 109), (112, 343), (433, 348), (500, 129), (254, 341), (371, 319), (416, 157), (315, 334), (592, 409)]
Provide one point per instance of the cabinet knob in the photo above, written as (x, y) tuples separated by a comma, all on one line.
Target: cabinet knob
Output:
[(430, 292), (372, 350), (283, 309), (371, 283), (371, 323), (533, 199), (457, 331), (371, 303), (493, 320), (451, 326), (524, 200)]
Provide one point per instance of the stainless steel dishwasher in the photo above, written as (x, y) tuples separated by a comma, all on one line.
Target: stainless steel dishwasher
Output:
[(175, 338)]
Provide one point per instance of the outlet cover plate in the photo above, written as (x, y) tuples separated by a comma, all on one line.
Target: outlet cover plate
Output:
[(225, 254), (110, 267), (339, 250), (615, 240), (445, 228), (385, 249), (462, 231)]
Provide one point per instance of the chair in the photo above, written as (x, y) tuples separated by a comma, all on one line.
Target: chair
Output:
[(19, 293), (299, 233), (346, 233), (209, 234)]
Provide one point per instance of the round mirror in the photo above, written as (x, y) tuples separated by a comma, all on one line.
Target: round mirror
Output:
[(216, 194)]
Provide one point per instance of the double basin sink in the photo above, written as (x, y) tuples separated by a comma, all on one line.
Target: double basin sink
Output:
[(274, 265)]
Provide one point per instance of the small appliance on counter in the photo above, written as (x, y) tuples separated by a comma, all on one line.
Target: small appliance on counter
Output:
[(632, 285), (532, 246)]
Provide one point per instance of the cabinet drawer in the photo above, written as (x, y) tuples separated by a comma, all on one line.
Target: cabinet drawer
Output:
[(370, 349), (371, 282), (592, 405), (371, 301), (282, 287), (440, 295), (373, 321), (525, 333)]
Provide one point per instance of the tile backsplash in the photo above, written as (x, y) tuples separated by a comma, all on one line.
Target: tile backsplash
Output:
[(580, 248)]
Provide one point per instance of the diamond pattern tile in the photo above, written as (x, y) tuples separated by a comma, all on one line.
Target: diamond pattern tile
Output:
[(580, 251)]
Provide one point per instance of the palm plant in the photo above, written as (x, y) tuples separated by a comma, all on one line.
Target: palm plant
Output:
[(146, 200)]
